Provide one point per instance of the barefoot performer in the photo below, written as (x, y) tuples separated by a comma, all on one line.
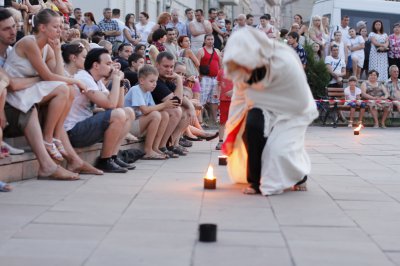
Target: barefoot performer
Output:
[(271, 109)]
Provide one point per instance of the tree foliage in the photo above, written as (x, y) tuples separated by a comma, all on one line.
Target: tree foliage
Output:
[(317, 74)]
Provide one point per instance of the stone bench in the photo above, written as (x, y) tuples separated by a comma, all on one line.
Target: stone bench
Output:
[(25, 166)]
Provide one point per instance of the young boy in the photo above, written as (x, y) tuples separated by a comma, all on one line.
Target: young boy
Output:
[(135, 61), (353, 93), (151, 119), (225, 87)]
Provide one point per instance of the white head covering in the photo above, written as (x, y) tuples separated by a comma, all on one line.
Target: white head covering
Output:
[(248, 47)]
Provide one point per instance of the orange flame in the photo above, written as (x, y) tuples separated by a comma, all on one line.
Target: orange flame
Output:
[(210, 173), (357, 129)]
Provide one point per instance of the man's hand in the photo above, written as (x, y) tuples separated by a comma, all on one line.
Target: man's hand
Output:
[(171, 103)]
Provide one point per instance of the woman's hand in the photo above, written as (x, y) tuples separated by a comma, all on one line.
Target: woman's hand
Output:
[(55, 45), (82, 86)]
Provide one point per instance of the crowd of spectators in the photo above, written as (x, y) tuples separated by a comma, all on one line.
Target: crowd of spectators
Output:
[(65, 73)]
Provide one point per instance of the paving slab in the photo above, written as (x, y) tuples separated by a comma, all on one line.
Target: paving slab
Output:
[(150, 216)]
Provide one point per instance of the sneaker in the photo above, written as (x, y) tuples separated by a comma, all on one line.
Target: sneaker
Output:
[(12, 150), (109, 166), (123, 164), (185, 143), (219, 146)]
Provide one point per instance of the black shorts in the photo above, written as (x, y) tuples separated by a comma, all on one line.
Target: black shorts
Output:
[(17, 121), (91, 130)]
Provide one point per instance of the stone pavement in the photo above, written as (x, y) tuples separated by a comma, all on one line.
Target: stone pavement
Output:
[(349, 216)]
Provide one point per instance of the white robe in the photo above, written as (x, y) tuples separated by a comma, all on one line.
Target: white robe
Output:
[(287, 104)]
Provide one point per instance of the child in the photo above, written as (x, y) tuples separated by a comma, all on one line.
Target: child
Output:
[(151, 119), (135, 61), (353, 93), (221, 21), (225, 87)]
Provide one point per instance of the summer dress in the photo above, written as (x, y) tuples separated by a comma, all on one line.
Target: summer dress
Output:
[(20, 67)]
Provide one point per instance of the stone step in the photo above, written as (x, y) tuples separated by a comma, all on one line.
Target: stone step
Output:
[(25, 166)]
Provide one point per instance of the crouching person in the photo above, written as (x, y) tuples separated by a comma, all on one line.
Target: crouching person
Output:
[(85, 128), (151, 119)]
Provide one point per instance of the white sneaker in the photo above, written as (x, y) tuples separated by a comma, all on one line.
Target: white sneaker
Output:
[(12, 150)]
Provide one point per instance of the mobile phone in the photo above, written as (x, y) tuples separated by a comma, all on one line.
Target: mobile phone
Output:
[(176, 98)]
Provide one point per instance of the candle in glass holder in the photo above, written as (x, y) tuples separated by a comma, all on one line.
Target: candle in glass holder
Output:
[(210, 182), (222, 160)]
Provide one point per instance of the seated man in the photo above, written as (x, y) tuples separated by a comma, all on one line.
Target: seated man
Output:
[(151, 119), (135, 61), (169, 85), (110, 126), (124, 51)]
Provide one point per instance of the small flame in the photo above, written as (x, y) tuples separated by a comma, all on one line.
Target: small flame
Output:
[(358, 128), (210, 173)]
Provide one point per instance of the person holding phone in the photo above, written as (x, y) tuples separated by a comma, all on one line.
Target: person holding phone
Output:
[(271, 108)]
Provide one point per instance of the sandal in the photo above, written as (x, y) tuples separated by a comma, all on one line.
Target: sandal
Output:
[(170, 154), (4, 151), (60, 147), (4, 187), (53, 152), (155, 157)]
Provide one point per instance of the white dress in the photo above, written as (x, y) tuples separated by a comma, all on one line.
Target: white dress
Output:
[(19, 67), (378, 61), (287, 104)]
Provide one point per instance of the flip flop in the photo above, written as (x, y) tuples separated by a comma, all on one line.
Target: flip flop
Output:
[(4, 187), (154, 157)]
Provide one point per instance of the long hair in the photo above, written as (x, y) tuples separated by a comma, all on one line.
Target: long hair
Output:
[(43, 18), (91, 16), (127, 17)]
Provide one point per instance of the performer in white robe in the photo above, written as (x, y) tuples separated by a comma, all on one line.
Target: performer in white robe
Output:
[(279, 94)]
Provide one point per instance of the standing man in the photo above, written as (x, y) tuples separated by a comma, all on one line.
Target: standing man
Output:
[(189, 18), (343, 28), (250, 20), (210, 60), (199, 28), (176, 24), (336, 67), (116, 14), (77, 21), (293, 40), (109, 27), (170, 45), (241, 22), (216, 31)]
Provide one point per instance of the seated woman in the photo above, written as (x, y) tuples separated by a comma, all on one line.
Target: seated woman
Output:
[(158, 38), (40, 56), (372, 90)]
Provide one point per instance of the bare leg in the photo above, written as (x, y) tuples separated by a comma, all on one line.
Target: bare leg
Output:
[(374, 114), (57, 101), (182, 125), (175, 115), (150, 123), (362, 112), (46, 165), (214, 111), (384, 116), (60, 124), (352, 110), (354, 66), (161, 131), (113, 133), (129, 117)]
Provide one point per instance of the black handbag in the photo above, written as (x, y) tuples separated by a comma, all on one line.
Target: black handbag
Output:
[(205, 70)]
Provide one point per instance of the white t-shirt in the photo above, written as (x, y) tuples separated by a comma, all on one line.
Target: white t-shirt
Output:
[(121, 27), (144, 31), (336, 64), (82, 108), (341, 49), (137, 97), (352, 96), (356, 42)]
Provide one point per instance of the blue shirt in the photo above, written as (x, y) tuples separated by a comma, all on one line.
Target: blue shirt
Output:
[(302, 54), (109, 25), (137, 97)]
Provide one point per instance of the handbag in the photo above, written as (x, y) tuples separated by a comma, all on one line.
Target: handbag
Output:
[(205, 70)]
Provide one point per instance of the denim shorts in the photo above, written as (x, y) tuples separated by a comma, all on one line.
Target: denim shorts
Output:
[(90, 130)]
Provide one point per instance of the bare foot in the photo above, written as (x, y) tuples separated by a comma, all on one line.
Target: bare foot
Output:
[(59, 174), (84, 168), (250, 191), (131, 138)]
